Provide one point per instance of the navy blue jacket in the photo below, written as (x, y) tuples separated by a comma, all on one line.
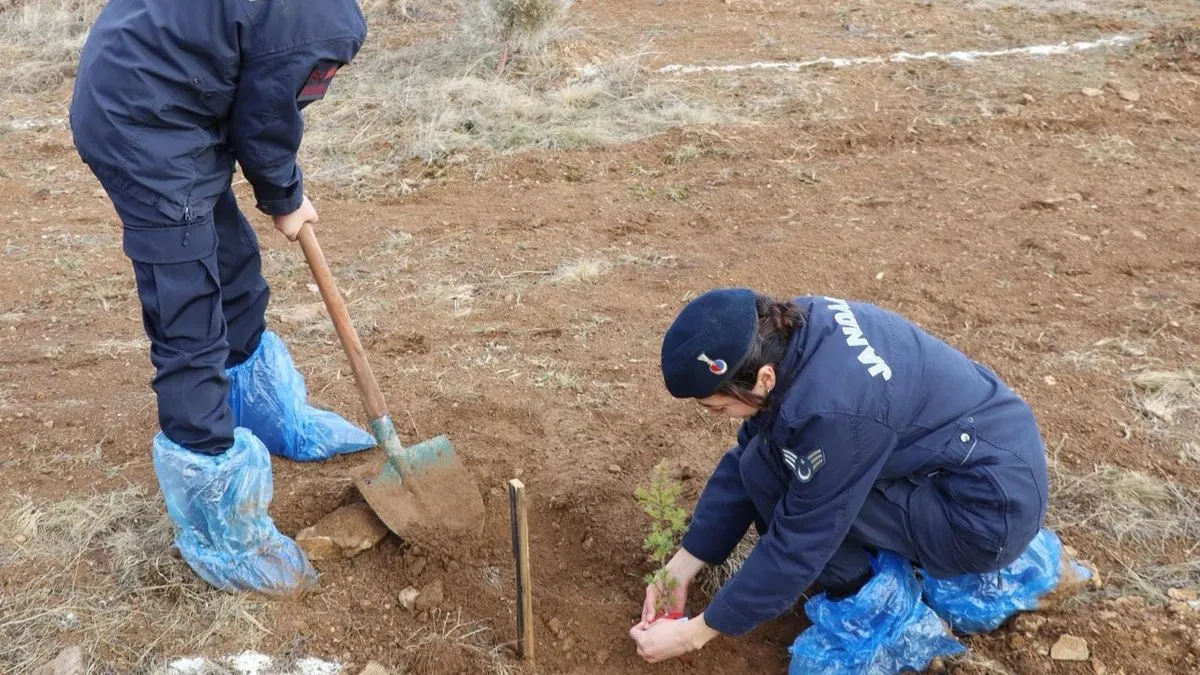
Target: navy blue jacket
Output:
[(880, 399), (169, 93)]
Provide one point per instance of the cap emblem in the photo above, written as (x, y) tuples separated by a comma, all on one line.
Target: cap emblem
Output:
[(717, 367)]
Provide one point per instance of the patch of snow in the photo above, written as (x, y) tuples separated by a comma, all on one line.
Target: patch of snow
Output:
[(252, 663), (902, 57)]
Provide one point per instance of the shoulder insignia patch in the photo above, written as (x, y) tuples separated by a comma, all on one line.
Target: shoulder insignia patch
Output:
[(318, 82), (804, 466)]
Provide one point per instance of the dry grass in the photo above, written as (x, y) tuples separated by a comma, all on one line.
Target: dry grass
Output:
[(44, 37), (97, 572), (1128, 512), (435, 101), (584, 271), (453, 646), (713, 578), (1162, 395)]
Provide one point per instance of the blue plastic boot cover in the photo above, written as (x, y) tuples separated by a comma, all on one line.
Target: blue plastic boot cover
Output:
[(883, 629), (218, 506), (268, 396), (979, 603)]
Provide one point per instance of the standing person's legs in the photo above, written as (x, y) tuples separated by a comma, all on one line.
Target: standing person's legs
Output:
[(267, 393), (216, 479), (245, 293)]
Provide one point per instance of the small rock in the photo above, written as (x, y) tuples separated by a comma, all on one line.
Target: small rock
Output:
[(517, 473), (1070, 551), (68, 662), (408, 597), (568, 644), (1049, 380), (453, 567), (1043, 650), (1070, 648), (431, 596), (1181, 595), (346, 532), (1130, 95), (49, 424), (374, 669), (417, 567), (20, 539), (602, 656), (1196, 647), (1178, 608), (1098, 667), (1108, 615), (555, 625), (1018, 642), (1138, 234), (588, 543), (1091, 92), (1026, 99), (614, 468)]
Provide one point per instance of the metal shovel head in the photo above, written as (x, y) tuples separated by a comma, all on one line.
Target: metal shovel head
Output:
[(422, 490)]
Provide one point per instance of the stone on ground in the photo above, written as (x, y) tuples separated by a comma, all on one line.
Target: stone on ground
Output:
[(68, 662), (1070, 648), (345, 533)]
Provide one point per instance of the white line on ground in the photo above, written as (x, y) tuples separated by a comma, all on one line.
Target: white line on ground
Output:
[(252, 663), (901, 57)]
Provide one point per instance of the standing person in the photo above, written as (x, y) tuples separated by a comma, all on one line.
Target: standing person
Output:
[(168, 96), (863, 434)]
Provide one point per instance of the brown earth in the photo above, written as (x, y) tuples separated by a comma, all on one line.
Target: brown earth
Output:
[(995, 204)]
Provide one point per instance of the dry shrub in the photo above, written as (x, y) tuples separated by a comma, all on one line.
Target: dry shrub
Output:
[(436, 101), (1177, 47), (44, 37), (1156, 520), (713, 578), (97, 572), (1162, 395)]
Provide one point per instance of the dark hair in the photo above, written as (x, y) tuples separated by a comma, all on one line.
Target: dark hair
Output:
[(777, 323)]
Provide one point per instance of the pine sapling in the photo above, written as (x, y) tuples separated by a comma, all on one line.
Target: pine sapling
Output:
[(667, 523)]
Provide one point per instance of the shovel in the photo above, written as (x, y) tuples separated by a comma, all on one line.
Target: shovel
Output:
[(416, 491)]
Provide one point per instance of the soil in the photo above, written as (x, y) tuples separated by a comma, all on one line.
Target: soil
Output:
[(993, 204)]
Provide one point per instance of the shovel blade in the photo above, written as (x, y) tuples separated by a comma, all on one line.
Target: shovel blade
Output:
[(430, 492)]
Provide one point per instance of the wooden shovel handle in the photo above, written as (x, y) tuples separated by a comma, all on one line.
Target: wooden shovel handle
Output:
[(367, 386)]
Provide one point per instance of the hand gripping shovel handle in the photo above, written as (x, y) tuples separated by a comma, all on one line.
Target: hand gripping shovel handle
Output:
[(381, 423)]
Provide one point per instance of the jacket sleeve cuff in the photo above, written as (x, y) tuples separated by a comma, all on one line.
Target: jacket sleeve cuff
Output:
[(726, 620), (706, 548), (274, 200)]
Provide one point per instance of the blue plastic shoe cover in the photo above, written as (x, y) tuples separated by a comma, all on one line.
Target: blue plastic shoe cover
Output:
[(218, 506), (979, 603), (268, 396), (883, 629)]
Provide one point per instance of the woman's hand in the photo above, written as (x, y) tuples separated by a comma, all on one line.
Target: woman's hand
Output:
[(682, 567), (666, 639), (675, 600)]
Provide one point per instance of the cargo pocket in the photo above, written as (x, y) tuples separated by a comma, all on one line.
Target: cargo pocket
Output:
[(172, 244)]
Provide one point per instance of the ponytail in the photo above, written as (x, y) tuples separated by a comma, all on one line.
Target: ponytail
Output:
[(777, 323)]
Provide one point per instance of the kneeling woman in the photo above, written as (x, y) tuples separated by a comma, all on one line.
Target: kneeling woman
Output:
[(863, 434)]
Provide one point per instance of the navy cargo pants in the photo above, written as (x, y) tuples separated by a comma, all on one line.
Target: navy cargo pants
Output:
[(203, 302), (909, 517)]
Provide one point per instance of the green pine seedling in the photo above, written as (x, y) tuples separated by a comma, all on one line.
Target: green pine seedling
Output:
[(667, 524)]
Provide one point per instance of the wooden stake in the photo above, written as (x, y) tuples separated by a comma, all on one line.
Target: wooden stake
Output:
[(520, 539)]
